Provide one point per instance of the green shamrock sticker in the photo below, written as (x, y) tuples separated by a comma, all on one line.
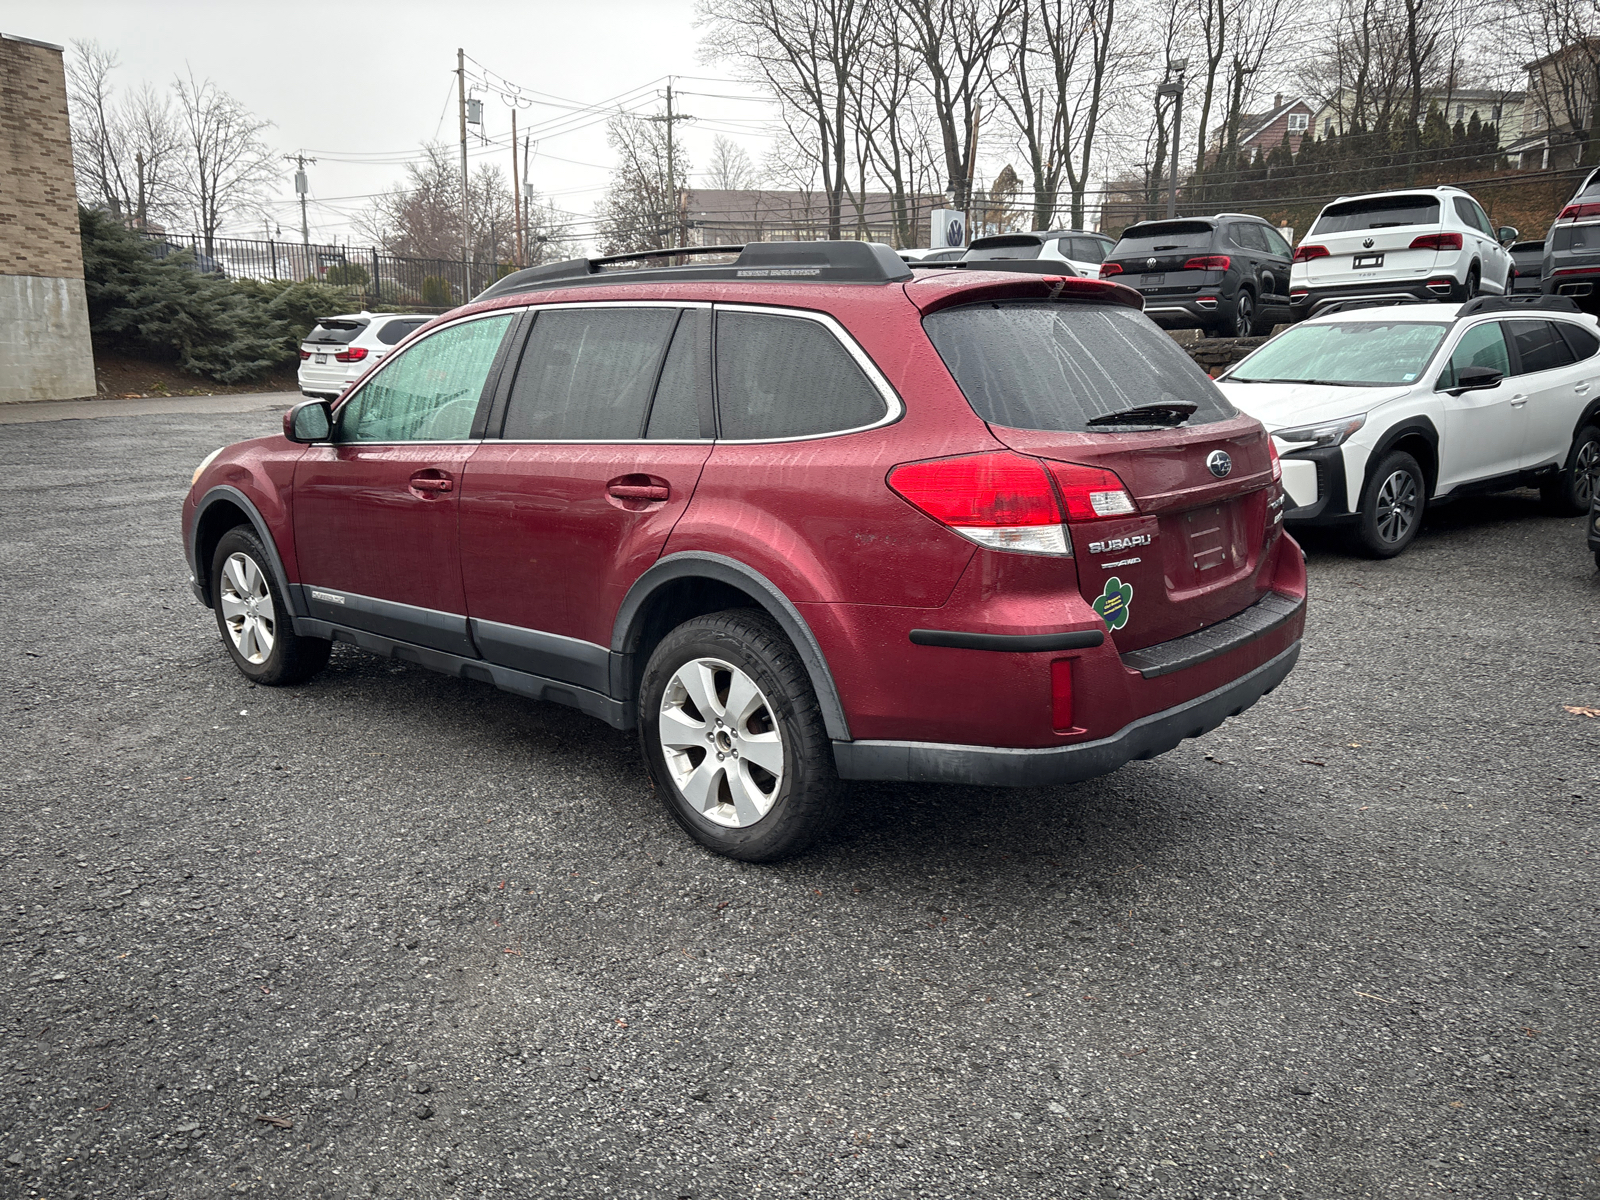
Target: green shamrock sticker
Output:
[(1113, 603)]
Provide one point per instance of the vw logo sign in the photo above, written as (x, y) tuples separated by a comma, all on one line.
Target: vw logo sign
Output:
[(1367, 244), (1149, 262), (1219, 463), (955, 235)]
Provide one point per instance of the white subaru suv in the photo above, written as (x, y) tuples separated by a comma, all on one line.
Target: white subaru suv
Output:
[(1379, 410), (339, 350), (1423, 243)]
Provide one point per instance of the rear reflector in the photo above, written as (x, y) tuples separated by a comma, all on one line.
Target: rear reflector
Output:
[(1000, 500), (1061, 694), (1594, 270), (1307, 253), (1277, 465), (1437, 241)]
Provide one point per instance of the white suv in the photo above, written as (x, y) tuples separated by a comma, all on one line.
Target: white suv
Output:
[(1377, 410), (1424, 243), (339, 350)]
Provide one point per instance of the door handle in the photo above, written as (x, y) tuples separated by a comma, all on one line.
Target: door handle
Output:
[(638, 491), (1518, 401), (432, 484), (1581, 388)]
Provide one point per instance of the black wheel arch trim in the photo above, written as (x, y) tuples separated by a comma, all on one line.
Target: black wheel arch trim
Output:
[(1421, 426), (1591, 416), (202, 571), (628, 627)]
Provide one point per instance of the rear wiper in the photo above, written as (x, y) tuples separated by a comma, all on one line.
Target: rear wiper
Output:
[(1174, 412)]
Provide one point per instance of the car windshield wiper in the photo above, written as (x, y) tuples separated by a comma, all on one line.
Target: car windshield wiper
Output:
[(1172, 412)]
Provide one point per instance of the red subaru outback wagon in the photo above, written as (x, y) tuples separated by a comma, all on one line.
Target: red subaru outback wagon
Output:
[(798, 519)]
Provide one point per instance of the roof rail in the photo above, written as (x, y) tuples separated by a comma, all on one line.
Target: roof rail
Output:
[(1525, 301), (1383, 300), (792, 262), (1024, 266)]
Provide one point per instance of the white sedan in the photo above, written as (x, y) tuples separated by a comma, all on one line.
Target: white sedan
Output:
[(1378, 411)]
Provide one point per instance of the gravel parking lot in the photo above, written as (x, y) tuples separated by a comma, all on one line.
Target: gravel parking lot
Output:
[(400, 935)]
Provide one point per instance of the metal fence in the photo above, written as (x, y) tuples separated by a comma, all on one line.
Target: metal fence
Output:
[(371, 275)]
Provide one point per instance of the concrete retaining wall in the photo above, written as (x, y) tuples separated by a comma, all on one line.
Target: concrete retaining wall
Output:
[(44, 339)]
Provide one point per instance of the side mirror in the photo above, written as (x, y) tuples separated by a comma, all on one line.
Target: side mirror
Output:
[(1507, 234), (1472, 379), (309, 421)]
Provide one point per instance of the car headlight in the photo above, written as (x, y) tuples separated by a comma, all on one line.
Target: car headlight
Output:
[(204, 463), (1324, 433)]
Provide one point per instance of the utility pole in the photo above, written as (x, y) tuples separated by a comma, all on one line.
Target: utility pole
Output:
[(516, 185), (671, 118), (301, 186), (466, 236), (525, 200)]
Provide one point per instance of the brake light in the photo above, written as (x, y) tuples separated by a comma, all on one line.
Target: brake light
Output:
[(1576, 212), (1061, 694), (1091, 492), (351, 354), (1108, 269), (305, 354), (1307, 253), (1277, 466), (1574, 271), (1437, 241), (1000, 500), (1208, 262)]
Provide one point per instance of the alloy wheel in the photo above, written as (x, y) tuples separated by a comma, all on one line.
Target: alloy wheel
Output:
[(1397, 506), (1243, 317), (1586, 474), (721, 742), (247, 608)]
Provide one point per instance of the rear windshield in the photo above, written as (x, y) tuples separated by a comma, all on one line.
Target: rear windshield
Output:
[(336, 333), (1378, 213), (1004, 247), (1351, 353), (1084, 249), (1034, 364), (1166, 235)]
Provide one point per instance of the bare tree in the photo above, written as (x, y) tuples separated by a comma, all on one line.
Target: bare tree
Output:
[(1564, 82), (957, 41), (730, 168), (897, 133), (224, 164), (640, 209), (422, 217), (806, 52), (123, 150)]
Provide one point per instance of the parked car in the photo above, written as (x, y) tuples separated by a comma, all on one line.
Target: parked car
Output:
[(1227, 274), (1080, 249), (1421, 243), (797, 519), (1571, 265), (949, 254), (1378, 411), (339, 350), (1527, 264)]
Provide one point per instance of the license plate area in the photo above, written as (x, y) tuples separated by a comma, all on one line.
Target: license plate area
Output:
[(321, 359), (1362, 262), (1205, 547), (1152, 280)]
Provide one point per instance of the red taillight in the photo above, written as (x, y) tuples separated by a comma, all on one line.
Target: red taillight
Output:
[(305, 354), (1437, 241), (1208, 262), (1091, 493), (1108, 269), (1000, 500), (351, 354), (1307, 253), (1576, 212), (1277, 466), (1061, 694)]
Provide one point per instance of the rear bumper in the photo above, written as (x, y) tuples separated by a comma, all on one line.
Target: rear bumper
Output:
[(1308, 301), (1201, 311), (999, 766)]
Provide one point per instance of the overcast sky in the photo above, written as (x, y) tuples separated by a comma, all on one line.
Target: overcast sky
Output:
[(361, 86)]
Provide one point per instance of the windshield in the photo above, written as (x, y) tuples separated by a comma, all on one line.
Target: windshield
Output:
[(1378, 213), (1052, 366), (1352, 353)]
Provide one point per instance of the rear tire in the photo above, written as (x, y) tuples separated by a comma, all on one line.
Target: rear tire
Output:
[(733, 737), (253, 615), (1392, 504), (1244, 314), (1571, 490), (1470, 288)]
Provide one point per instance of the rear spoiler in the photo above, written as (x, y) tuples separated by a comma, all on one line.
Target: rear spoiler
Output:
[(979, 282)]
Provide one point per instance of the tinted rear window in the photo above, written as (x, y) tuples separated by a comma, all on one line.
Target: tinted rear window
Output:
[(1167, 235), (395, 331), (1378, 213), (1039, 365), (1582, 342), (780, 377), (587, 374), (335, 333), (1540, 346), (1004, 247)]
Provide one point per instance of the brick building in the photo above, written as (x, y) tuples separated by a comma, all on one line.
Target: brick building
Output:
[(44, 318)]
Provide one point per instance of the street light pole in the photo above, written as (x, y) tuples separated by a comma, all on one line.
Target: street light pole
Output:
[(1174, 88)]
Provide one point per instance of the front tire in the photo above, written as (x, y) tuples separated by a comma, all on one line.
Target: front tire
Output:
[(253, 616), (1392, 504), (1573, 488), (734, 739)]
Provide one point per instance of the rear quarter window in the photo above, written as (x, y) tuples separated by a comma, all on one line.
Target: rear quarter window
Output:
[(1056, 366), (394, 332), (1582, 342), (1380, 212), (782, 377)]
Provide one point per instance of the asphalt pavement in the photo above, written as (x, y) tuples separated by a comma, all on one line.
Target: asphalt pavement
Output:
[(393, 934)]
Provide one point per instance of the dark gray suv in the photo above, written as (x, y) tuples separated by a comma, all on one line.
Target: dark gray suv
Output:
[(1227, 274)]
